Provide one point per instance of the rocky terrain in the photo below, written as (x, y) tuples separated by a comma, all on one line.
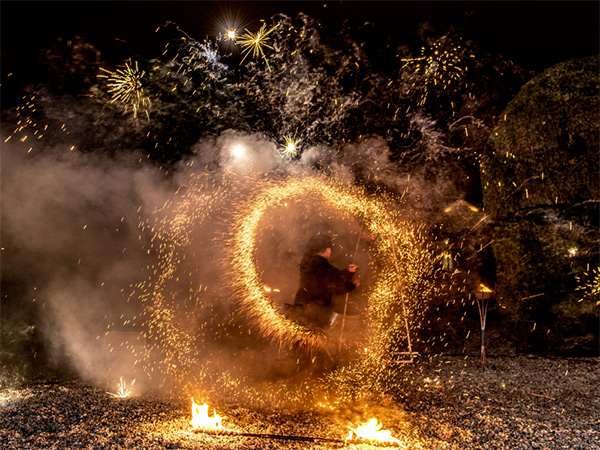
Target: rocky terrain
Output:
[(453, 402)]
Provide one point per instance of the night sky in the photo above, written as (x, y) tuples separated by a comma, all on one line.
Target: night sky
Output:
[(536, 34)]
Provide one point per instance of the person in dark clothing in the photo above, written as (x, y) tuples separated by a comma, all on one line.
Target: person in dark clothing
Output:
[(319, 282)]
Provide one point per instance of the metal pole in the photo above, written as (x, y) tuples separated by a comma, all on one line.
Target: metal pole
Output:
[(482, 304)]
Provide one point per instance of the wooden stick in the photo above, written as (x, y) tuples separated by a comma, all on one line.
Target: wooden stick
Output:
[(533, 296), (362, 223), (401, 283), (543, 396), (288, 437)]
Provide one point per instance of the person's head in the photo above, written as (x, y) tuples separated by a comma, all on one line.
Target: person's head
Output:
[(319, 244), (325, 253)]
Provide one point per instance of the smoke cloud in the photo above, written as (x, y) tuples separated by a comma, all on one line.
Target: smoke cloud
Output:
[(69, 231), (77, 229)]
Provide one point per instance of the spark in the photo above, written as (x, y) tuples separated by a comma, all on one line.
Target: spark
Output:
[(122, 391), (291, 146), (231, 34), (404, 265), (253, 43), (484, 288), (126, 86)]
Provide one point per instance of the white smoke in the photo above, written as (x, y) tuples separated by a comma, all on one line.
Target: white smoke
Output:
[(71, 228)]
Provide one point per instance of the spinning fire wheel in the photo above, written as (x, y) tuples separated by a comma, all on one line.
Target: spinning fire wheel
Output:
[(400, 250)]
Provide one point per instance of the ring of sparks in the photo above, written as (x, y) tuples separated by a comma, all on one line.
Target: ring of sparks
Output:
[(396, 241)]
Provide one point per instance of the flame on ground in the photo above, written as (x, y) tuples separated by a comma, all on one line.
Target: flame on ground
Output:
[(371, 431), (201, 419)]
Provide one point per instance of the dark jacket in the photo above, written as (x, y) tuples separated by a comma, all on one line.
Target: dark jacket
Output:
[(319, 282)]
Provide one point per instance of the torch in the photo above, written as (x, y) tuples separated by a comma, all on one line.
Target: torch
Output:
[(483, 296)]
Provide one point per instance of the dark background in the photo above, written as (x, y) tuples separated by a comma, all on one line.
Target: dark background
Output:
[(537, 34)]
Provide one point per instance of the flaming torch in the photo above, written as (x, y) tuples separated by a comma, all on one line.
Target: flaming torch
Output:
[(483, 296)]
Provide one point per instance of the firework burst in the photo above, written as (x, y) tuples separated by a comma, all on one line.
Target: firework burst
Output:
[(589, 285), (254, 43), (441, 65), (125, 85), (290, 149)]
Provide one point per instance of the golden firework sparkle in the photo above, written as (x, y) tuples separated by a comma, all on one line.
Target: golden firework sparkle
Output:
[(30, 132), (441, 65), (168, 310), (122, 390), (125, 85), (254, 43)]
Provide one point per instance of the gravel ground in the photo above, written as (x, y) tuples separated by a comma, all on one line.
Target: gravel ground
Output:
[(450, 403)]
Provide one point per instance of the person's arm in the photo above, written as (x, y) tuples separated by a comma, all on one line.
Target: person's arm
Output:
[(340, 281)]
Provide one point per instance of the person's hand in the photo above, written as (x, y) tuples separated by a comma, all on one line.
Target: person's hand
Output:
[(356, 282), (367, 237), (352, 268)]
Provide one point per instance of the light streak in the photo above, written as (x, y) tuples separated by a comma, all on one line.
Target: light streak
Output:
[(589, 285), (484, 288), (122, 390), (384, 318)]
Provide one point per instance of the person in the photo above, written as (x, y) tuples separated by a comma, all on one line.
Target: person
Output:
[(319, 282)]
